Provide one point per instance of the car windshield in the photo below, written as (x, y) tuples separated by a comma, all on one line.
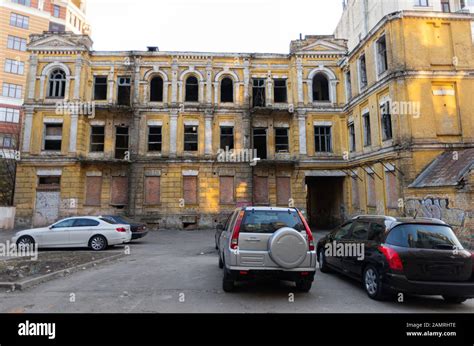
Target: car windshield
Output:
[(269, 221), (421, 236)]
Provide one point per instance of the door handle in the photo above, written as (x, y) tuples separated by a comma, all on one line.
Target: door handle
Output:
[(253, 239)]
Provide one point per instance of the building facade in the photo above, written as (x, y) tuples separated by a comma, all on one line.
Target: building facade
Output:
[(359, 17), (171, 138), (18, 20)]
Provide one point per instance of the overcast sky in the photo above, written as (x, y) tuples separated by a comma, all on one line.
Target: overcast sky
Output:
[(209, 25)]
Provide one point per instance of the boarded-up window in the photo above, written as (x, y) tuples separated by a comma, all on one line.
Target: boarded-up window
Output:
[(355, 192), (93, 190), (226, 190), (391, 190), (371, 190), (260, 190), (446, 115), (119, 191), (152, 190), (190, 190), (283, 190)]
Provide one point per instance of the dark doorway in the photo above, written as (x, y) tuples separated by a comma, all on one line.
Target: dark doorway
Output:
[(325, 202), (260, 142)]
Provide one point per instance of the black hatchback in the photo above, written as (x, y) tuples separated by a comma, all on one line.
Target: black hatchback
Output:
[(400, 255)]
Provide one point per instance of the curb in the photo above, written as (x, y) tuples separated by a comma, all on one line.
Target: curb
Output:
[(21, 285)]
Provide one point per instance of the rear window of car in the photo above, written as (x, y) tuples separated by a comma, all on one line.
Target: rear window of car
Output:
[(108, 220), (269, 221), (419, 236)]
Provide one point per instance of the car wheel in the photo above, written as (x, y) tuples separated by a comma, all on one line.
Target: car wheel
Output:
[(304, 285), (25, 241), (373, 283), (454, 300), (98, 243), (227, 282), (322, 262), (221, 264)]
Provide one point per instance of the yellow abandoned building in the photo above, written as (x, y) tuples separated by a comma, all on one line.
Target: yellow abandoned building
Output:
[(180, 139)]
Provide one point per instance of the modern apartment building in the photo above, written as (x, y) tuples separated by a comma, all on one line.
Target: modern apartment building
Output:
[(18, 20), (170, 137), (361, 16)]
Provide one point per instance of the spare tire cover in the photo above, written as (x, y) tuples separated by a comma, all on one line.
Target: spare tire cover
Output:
[(288, 247)]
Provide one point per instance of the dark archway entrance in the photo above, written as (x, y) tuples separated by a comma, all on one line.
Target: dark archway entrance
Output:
[(325, 201)]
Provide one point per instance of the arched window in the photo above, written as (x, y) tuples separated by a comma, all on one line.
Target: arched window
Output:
[(192, 89), (57, 84), (156, 89), (320, 88), (227, 90)]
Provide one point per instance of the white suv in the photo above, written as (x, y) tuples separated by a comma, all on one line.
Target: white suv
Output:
[(266, 241)]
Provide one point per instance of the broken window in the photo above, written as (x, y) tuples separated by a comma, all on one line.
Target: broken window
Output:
[(124, 86), (100, 88), (119, 191), (227, 138), (152, 190), (382, 60), (190, 190), (362, 72), (227, 90), (97, 138), (352, 138), (53, 135), (93, 191), (258, 92), (280, 91), (260, 190), (260, 142), (283, 185), (57, 84), (49, 182), (156, 89), (154, 138), (322, 139), (226, 190), (190, 138), (121, 142), (348, 86), (281, 140), (320, 88), (386, 121), (367, 131), (192, 89)]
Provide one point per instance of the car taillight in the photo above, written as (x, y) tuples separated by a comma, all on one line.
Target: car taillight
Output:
[(308, 232), (393, 259), (121, 229), (234, 242)]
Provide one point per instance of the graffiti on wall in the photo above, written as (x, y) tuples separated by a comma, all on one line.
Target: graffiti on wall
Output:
[(436, 207)]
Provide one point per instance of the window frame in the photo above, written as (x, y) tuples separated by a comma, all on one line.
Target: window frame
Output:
[(186, 142), (151, 143), (55, 138), (286, 136), (327, 137)]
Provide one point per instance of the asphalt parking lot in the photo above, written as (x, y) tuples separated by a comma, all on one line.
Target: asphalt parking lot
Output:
[(177, 271)]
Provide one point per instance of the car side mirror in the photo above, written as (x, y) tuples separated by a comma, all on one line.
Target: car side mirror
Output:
[(51, 227), (219, 227)]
